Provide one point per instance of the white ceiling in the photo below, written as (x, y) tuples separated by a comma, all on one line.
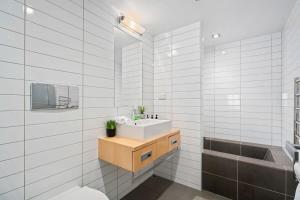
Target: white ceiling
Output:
[(234, 19)]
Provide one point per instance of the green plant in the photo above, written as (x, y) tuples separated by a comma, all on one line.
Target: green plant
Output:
[(111, 124), (141, 109)]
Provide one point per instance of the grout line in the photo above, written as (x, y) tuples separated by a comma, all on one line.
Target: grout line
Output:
[(51, 149), (237, 177), (271, 94), (54, 161), (142, 61), (57, 186), (240, 77), (281, 89), (24, 98), (214, 91), (172, 94), (13, 190), (83, 76)]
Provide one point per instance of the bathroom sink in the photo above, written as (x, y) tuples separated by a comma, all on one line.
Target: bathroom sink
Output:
[(144, 129)]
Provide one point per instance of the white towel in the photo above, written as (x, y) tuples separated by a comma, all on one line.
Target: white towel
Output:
[(297, 173), (122, 120)]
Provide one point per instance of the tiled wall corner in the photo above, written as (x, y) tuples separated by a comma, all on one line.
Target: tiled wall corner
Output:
[(177, 97), (98, 90)]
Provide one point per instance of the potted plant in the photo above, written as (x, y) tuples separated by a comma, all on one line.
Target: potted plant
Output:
[(141, 110), (111, 128)]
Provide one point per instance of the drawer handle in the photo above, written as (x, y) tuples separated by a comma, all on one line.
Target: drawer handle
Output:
[(174, 142), (146, 155)]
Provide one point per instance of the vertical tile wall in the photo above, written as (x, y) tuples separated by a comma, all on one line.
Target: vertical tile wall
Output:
[(291, 70), (53, 54), (98, 101), (241, 90), (177, 97), (11, 100), (68, 42)]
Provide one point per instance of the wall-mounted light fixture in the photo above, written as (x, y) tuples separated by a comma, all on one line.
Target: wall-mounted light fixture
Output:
[(216, 35), (131, 25)]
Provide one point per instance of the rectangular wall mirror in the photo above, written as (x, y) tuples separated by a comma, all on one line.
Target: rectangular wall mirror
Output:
[(128, 70)]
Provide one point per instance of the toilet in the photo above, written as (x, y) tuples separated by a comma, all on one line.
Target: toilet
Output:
[(297, 176), (81, 193)]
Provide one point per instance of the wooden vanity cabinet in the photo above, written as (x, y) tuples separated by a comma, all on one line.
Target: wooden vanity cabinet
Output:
[(134, 155)]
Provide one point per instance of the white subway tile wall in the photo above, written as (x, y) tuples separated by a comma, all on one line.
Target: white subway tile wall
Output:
[(98, 101), (68, 42), (290, 71), (177, 97), (12, 100), (241, 90)]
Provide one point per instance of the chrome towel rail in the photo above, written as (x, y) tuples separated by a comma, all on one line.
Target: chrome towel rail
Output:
[(297, 110)]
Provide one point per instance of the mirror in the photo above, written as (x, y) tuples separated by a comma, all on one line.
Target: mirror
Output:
[(128, 70)]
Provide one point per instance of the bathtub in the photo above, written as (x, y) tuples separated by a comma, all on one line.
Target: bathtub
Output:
[(247, 171)]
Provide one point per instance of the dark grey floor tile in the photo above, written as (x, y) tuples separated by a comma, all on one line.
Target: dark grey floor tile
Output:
[(157, 188), (219, 185)]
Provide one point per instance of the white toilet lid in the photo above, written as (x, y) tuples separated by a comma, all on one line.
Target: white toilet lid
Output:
[(78, 193)]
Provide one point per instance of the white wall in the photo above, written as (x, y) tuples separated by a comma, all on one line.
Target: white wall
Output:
[(62, 42), (177, 97), (291, 70), (12, 100), (98, 92), (241, 90)]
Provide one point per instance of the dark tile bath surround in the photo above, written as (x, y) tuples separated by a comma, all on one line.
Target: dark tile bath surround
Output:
[(247, 171)]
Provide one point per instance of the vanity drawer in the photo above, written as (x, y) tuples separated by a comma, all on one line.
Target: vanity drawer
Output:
[(144, 157), (162, 147), (174, 142)]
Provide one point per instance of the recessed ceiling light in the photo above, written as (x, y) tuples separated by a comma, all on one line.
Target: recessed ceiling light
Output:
[(28, 10), (223, 52), (216, 35)]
